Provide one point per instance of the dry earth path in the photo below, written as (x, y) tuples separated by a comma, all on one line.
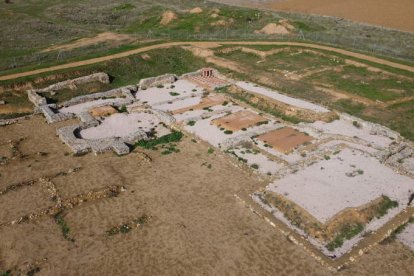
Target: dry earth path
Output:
[(205, 45)]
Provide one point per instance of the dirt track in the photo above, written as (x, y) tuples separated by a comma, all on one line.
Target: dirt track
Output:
[(204, 45)]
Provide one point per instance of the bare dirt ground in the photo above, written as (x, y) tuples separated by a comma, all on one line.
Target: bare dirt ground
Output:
[(195, 226), (203, 45), (391, 14), (284, 139)]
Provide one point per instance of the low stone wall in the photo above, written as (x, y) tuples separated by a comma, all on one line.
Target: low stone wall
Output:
[(99, 77), (52, 117), (263, 102), (160, 80), (118, 92), (81, 146), (35, 98), (6, 122)]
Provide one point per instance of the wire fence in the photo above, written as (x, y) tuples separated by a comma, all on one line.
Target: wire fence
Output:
[(384, 47)]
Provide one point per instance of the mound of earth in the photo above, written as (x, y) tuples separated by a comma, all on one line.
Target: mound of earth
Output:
[(222, 23), (282, 27), (167, 17), (196, 10)]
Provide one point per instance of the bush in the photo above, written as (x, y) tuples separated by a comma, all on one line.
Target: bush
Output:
[(174, 94), (347, 232), (175, 136), (210, 150), (228, 132), (255, 166), (356, 124), (191, 123), (122, 109)]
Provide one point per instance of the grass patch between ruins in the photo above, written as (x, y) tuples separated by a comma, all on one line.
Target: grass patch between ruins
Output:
[(175, 136)]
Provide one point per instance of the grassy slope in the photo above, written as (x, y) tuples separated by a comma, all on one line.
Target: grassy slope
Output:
[(33, 25)]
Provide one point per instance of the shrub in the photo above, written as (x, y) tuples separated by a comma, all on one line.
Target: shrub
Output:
[(327, 157), (160, 86), (228, 132), (191, 123), (175, 136), (122, 109), (255, 166), (347, 232), (210, 150), (174, 94), (356, 124), (385, 204)]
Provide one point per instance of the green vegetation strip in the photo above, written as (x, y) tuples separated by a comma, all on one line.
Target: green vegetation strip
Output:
[(175, 136), (63, 226), (347, 232)]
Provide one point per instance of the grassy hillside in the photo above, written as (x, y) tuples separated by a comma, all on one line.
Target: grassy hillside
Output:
[(33, 25)]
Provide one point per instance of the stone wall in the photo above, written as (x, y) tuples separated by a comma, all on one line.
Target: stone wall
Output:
[(123, 92), (160, 80), (99, 77), (35, 98)]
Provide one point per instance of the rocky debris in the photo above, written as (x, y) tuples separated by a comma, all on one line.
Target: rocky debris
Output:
[(128, 226), (156, 81), (69, 203), (35, 98), (2, 102), (146, 57), (16, 186), (168, 17), (52, 117)]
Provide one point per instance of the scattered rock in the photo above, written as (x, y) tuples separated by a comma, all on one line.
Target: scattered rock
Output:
[(214, 15), (2, 102), (196, 10), (146, 57), (167, 17)]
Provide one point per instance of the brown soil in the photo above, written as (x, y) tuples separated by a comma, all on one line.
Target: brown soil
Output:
[(205, 102), (168, 17), (114, 38), (284, 139), (392, 14), (103, 111), (196, 224), (239, 120)]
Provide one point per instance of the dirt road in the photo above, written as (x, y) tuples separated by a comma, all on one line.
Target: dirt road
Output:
[(205, 45)]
